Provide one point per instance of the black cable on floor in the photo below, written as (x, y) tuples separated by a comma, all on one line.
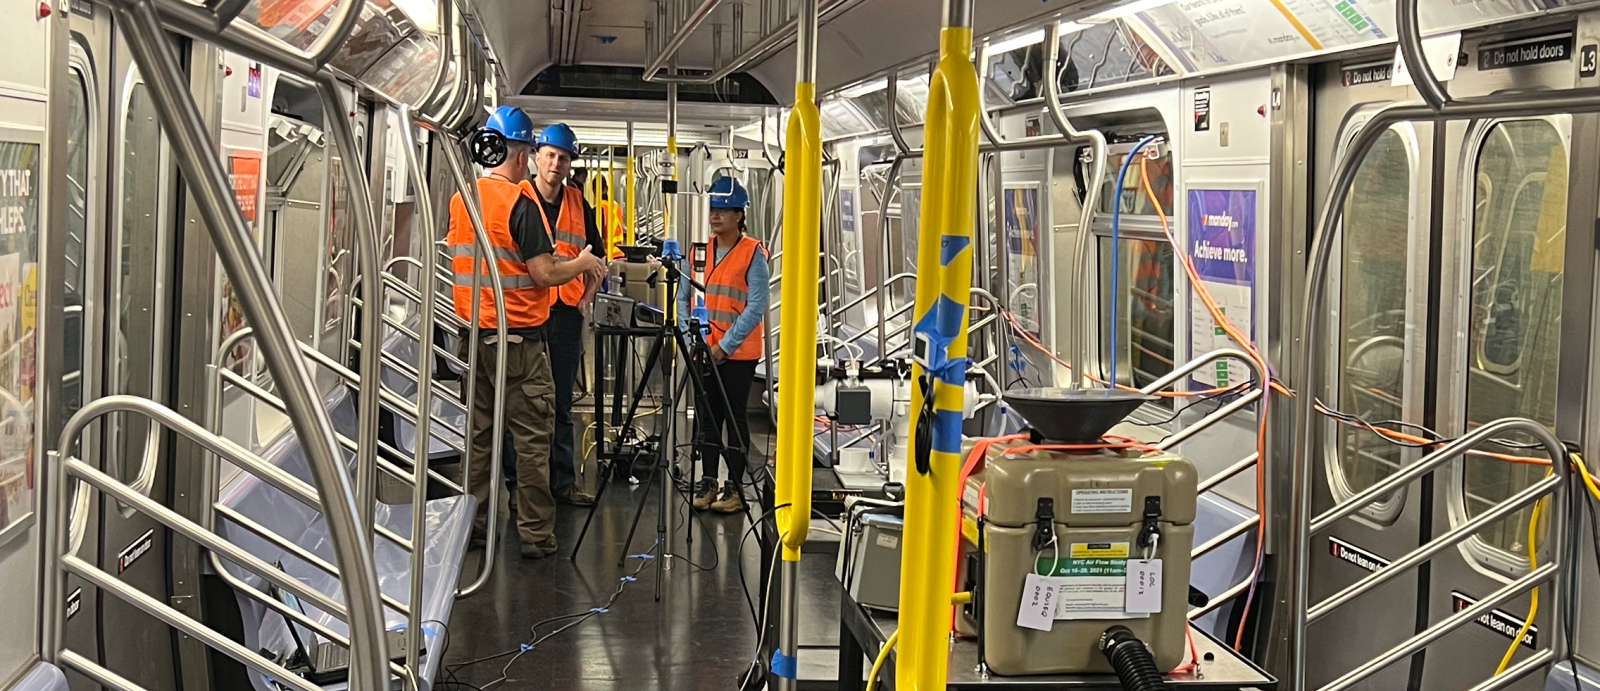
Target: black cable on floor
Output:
[(577, 617)]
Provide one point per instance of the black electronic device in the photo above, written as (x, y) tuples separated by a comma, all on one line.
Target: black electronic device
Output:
[(325, 662), (852, 405), (669, 186), (638, 253)]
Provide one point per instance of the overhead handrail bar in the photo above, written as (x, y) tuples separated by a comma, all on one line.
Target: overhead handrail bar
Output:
[(779, 39), (679, 37), (1293, 608), (446, 25), (196, 156)]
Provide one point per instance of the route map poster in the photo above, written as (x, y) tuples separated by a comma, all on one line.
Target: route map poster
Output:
[(1222, 245)]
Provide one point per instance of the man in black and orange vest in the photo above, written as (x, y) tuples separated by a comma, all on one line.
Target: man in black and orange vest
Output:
[(571, 223), (529, 271), (735, 276)]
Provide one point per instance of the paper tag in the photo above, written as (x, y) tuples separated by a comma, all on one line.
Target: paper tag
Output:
[(1144, 586), (1038, 610), (1440, 52), (888, 540)]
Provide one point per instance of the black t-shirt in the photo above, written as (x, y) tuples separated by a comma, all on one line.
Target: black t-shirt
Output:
[(591, 231)]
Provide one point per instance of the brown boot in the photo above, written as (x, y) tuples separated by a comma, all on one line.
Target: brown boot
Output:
[(705, 494), (732, 500)]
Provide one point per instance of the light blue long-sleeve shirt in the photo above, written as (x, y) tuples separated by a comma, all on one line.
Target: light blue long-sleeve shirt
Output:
[(755, 306)]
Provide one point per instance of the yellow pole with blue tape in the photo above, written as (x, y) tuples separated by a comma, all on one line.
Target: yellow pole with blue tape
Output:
[(797, 345), (944, 277)]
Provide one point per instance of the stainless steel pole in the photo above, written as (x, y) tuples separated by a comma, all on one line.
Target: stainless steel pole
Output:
[(186, 131), (424, 439), (338, 124)]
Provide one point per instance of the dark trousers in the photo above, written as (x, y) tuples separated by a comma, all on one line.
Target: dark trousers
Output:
[(565, 334), (713, 415), (529, 411), (564, 338)]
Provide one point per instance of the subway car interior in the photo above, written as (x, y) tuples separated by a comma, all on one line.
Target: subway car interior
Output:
[(604, 431)]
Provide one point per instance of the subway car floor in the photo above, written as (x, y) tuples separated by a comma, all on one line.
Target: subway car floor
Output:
[(699, 636)]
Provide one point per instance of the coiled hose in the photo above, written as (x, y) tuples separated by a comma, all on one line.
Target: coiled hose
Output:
[(1132, 661)]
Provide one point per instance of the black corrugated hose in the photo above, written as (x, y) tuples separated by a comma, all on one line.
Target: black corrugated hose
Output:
[(1132, 661)]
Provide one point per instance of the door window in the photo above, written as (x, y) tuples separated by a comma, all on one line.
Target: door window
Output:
[(77, 225), (1518, 245), (136, 363), (1370, 365)]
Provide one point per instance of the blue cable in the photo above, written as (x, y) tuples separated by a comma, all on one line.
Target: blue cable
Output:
[(1116, 221)]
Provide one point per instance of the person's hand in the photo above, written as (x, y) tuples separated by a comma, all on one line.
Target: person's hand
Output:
[(588, 262), (717, 355)]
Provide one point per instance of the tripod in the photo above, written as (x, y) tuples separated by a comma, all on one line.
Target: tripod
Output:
[(702, 374)]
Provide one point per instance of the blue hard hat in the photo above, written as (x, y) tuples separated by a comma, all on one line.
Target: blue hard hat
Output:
[(511, 123), (727, 193), (559, 136)]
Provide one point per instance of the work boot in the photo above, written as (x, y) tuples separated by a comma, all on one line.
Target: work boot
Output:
[(732, 500), (571, 495), (705, 494), (538, 551)]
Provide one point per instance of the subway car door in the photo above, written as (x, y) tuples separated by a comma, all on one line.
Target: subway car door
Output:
[(116, 334), (1375, 350), (88, 94), (1504, 261)]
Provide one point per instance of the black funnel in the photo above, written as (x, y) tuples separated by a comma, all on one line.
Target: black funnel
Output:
[(1075, 415)]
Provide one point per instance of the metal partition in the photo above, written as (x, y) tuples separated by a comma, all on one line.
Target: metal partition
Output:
[(1295, 612)]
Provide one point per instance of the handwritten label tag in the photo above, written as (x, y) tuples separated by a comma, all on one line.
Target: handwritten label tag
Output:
[(1038, 610), (1144, 586)]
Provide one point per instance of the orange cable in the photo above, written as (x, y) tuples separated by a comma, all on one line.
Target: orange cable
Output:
[(1261, 417)]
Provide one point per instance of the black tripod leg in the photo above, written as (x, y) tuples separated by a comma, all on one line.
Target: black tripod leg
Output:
[(605, 481), (637, 514)]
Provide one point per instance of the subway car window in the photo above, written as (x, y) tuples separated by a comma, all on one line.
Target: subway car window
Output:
[(1373, 313), (1519, 227), (1143, 309), (1134, 201), (136, 297), (77, 222)]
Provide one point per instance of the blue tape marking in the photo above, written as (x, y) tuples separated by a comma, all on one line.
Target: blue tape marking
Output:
[(784, 666), (953, 373), (646, 556), (951, 314), (526, 647), (599, 610), (947, 431), (628, 579), (950, 246)]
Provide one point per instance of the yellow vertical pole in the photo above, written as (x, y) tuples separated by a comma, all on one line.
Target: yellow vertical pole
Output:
[(944, 277), (797, 344)]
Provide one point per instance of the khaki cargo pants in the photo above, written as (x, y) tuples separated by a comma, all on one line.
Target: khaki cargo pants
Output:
[(530, 416)]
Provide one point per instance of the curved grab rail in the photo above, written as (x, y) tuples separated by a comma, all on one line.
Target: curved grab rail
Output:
[(196, 156), (1292, 609), (366, 226), (1410, 39), (469, 198)]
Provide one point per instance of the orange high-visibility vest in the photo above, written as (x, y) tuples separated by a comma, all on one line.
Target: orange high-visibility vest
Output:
[(527, 304), (568, 235), (727, 292)]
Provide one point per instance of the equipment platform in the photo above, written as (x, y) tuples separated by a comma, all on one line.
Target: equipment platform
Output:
[(862, 633)]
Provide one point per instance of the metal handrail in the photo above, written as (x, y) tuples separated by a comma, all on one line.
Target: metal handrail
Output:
[(779, 39), (1410, 39), (1293, 609), (482, 256), (186, 133), (366, 227), (401, 328)]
